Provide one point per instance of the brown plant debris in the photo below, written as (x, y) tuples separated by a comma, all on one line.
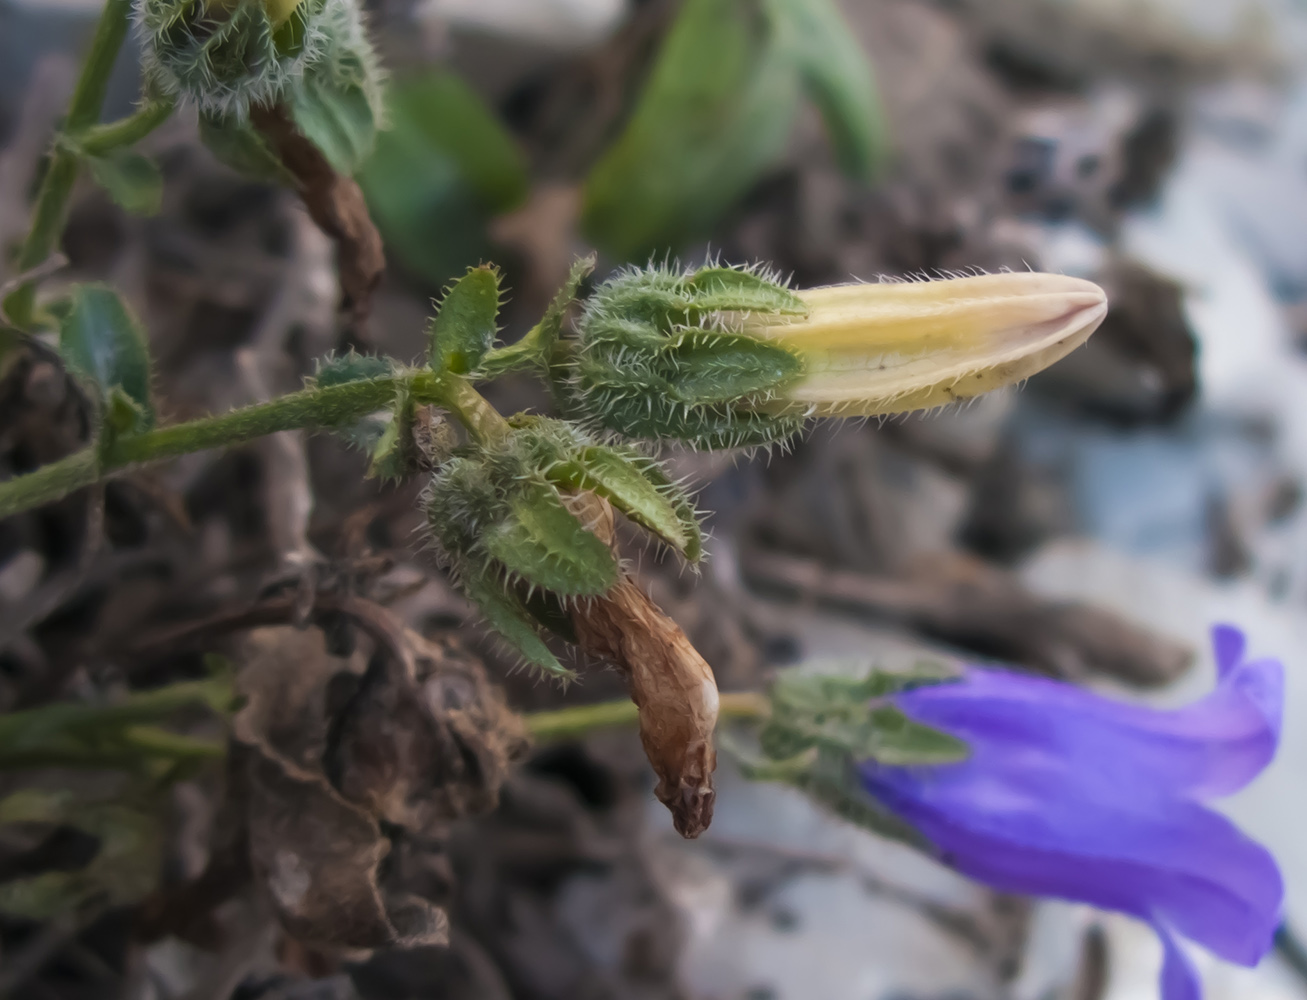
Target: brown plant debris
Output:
[(671, 684), (336, 204)]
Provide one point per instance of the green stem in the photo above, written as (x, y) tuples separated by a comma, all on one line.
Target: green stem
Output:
[(57, 185), (100, 139), (567, 723), (316, 408)]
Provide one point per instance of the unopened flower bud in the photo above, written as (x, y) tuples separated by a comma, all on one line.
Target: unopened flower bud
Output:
[(721, 357), (895, 347), (228, 56)]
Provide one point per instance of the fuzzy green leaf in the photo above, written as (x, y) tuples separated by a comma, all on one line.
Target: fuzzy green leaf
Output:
[(351, 367), (463, 330), (132, 180), (101, 342), (509, 618), (389, 455), (539, 341), (714, 367), (838, 78), (544, 544), (715, 115)]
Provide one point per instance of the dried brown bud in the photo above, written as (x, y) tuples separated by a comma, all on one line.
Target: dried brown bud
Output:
[(671, 684)]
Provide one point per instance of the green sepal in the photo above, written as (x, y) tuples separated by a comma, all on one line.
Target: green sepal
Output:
[(102, 343), (548, 611), (635, 485), (463, 330), (132, 180), (541, 542), (709, 366), (851, 716), (735, 289), (237, 144), (509, 618)]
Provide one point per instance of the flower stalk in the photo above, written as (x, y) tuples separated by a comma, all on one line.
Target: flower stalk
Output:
[(313, 407), (57, 186)]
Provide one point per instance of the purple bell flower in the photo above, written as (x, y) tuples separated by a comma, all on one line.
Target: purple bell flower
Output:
[(1076, 796)]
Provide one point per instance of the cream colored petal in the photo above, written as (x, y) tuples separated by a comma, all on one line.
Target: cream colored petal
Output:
[(896, 347)]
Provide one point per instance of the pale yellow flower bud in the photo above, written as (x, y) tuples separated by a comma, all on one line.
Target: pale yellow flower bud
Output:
[(895, 347), (279, 11)]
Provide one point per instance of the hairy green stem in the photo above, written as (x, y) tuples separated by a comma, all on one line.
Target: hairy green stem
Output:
[(57, 185), (100, 139), (566, 723), (316, 408)]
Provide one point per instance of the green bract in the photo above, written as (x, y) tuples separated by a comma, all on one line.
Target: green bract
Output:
[(502, 514), (660, 357)]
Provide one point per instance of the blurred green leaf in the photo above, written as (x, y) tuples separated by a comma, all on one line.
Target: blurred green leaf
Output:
[(237, 144), (101, 342), (714, 116), (546, 546), (442, 169), (838, 78), (124, 870), (463, 329), (132, 180)]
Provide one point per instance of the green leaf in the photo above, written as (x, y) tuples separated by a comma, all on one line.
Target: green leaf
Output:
[(714, 367), (351, 367), (636, 486), (101, 342), (124, 870), (442, 169), (237, 144), (463, 329), (715, 115), (132, 180), (544, 544), (389, 455), (540, 339), (838, 78), (338, 119), (509, 618)]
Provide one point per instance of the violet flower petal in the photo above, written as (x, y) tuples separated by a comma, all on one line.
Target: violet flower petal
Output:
[(1210, 748), (1072, 795)]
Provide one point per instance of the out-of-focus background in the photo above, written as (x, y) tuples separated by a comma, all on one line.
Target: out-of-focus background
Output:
[(1090, 526)]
